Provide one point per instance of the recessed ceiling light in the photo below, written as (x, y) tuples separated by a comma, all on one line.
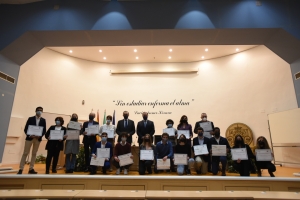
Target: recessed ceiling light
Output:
[(237, 49), (135, 50), (206, 49), (100, 51), (104, 58), (170, 50), (137, 58), (169, 57), (71, 51), (202, 57)]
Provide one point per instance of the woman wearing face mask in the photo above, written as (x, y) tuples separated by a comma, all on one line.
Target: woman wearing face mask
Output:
[(242, 166), (71, 149), (184, 125), (183, 148), (53, 147), (146, 164), (262, 143)]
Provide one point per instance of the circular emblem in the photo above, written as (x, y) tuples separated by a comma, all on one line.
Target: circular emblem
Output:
[(239, 129)]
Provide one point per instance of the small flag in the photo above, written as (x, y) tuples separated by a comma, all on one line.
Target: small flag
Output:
[(97, 118), (114, 119), (104, 117)]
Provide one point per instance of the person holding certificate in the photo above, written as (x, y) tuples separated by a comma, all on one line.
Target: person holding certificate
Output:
[(184, 125), (173, 137), (89, 139), (201, 158), (208, 126), (164, 150), (71, 148), (147, 152), (33, 140), (122, 148), (243, 163), (105, 145), (145, 127), (215, 142), (183, 148), (55, 136), (262, 144)]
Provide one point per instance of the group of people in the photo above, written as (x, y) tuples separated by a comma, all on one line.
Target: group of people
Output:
[(163, 150)]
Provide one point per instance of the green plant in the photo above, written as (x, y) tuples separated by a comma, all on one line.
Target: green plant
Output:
[(80, 161), (230, 167), (40, 159)]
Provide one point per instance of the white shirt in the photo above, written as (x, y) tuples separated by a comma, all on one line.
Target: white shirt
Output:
[(107, 127), (58, 128), (217, 140), (37, 120), (103, 145), (201, 141)]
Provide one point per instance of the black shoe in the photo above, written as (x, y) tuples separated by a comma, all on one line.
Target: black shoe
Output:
[(188, 172), (259, 173), (47, 172), (92, 172), (20, 171), (223, 174), (54, 171), (271, 174), (69, 171), (31, 171), (103, 170), (198, 172)]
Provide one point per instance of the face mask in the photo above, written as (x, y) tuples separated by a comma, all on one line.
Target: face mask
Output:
[(165, 139), (74, 119), (184, 121), (147, 140), (200, 134), (217, 134), (239, 141), (104, 139), (124, 139), (39, 113), (145, 117), (204, 119), (125, 116), (57, 122), (170, 125), (91, 117), (108, 121), (182, 140), (261, 144)]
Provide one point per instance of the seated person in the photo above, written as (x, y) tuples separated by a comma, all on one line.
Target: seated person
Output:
[(262, 143), (164, 150), (102, 144), (242, 166), (146, 164), (201, 161), (219, 140), (183, 148), (121, 148)]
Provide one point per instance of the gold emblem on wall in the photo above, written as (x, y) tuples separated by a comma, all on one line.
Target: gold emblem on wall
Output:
[(239, 129)]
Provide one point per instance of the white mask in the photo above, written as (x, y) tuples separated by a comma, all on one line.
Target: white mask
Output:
[(204, 119)]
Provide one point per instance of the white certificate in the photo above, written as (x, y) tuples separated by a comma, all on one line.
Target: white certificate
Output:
[(200, 150), (207, 134), (56, 134), (125, 159), (35, 130), (239, 153), (207, 126), (94, 129), (180, 159), (218, 150), (110, 132), (74, 125), (184, 132), (103, 152), (73, 134), (97, 161), (263, 155), (161, 164), (146, 155), (170, 131)]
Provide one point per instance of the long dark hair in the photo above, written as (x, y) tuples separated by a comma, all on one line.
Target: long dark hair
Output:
[(180, 122), (235, 141), (264, 141)]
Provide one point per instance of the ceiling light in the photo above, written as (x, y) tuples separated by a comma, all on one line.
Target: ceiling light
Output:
[(237, 50), (71, 51), (170, 57), (104, 58), (137, 58), (100, 51), (135, 50), (202, 57), (170, 50), (206, 49)]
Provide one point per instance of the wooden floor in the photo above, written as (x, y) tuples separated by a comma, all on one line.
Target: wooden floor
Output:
[(40, 168)]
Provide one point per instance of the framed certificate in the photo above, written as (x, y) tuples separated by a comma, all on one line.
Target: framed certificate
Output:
[(180, 159), (239, 153), (146, 155), (170, 131), (200, 150), (74, 125), (35, 130), (56, 135), (263, 155), (73, 134), (218, 150), (184, 132)]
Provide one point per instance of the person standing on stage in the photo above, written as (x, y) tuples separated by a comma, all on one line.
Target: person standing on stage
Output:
[(184, 125), (144, 127), (208, 130), (32, 140), (53, 147), (125, 126), (88, 140)]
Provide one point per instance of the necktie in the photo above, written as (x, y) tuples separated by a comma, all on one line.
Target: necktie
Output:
[(145, 123), (126, 123)]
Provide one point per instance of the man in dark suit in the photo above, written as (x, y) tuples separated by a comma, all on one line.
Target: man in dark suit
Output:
[(219, 140), (143, 127), (32, 140), (125, 125), (201, 160), (89, 141)]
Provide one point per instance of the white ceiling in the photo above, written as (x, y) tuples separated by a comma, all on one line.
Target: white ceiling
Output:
[(150, 54)]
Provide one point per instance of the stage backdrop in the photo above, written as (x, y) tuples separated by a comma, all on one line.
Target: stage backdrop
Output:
[(244, 87)]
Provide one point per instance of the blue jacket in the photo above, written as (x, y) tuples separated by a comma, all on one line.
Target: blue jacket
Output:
[(107, 145)]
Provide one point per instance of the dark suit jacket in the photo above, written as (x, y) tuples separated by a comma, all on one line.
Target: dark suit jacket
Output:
[(222, 141), (107, 145), (197, 125), (32, 121), (141, 130), (208, 144), (88, 139), (54, 144), (130, 129)]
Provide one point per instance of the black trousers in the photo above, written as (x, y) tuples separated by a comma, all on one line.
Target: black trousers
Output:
[(87, 156), (265, 165), (53, 153), (145, 165), (117, 165), (243, 167)]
